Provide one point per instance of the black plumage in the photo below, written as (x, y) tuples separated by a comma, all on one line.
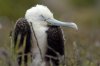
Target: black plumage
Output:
[(55, 43), (22, 28)]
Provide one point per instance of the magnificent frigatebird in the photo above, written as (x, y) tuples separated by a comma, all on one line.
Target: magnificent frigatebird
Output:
[(42, 36)]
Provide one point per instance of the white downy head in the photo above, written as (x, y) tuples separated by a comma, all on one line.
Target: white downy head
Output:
[(42, 15)]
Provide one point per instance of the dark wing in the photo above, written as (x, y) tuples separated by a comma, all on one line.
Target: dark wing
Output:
[(55, 42), (22, 39)]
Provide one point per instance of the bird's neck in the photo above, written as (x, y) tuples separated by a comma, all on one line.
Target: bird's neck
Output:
[(38, 24)]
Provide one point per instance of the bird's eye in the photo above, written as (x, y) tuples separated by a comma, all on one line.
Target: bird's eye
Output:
[(43, 18)]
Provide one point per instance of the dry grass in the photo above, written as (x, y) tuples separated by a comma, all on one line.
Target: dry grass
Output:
[(9, 59)]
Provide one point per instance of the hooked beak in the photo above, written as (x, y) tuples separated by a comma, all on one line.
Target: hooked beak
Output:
[(64, 24)]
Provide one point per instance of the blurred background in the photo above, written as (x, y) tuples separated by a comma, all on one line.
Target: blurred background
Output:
[(82, 47)]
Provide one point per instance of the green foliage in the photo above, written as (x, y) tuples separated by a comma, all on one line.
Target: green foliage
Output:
[(83, 3), (15, 8)]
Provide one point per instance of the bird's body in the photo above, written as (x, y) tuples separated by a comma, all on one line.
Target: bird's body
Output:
[(44, 41), (48, 37)]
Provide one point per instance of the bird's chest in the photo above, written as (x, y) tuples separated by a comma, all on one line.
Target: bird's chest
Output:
[(41, 37)]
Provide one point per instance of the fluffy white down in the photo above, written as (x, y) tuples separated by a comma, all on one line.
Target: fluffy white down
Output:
[(34, 13), (40, 27)]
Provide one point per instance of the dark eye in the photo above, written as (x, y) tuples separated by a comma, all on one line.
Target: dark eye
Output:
[(42, 18)]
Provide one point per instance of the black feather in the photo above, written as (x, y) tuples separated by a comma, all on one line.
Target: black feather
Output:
[(55, 41), (22, 28)]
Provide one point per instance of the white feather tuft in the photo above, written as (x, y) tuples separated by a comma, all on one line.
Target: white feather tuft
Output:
[(34, 13)]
